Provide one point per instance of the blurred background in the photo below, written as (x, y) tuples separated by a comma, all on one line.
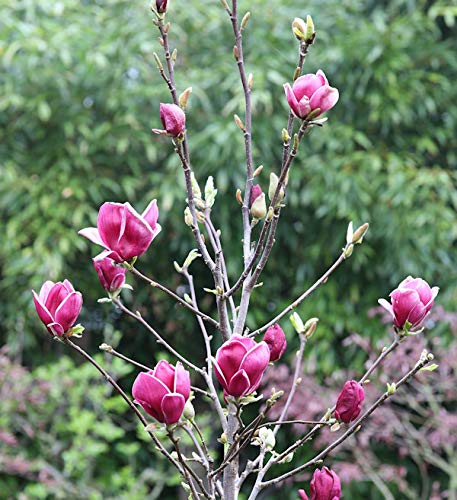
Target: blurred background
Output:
[(79, 93)]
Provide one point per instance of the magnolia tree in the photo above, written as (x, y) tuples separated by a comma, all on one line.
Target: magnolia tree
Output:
[(162, 395)]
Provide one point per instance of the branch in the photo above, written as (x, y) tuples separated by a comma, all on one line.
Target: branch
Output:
[(355, 426), (159, 338), (178, 299), (137, 412)]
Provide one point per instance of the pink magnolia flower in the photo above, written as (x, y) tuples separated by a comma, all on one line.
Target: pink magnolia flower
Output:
[(58, 305), (173, 120), (256, 191), (111, 277), (276, 341), (163, 392), (349, 403), (123, 231), (310, 92), (325, 485), (410, 302), (161, 6), (239, 365)]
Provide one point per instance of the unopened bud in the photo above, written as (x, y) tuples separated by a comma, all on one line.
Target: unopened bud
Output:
[(245, 20), (297, 322), (267, 437), (200, 216), (210, 192), (250, 80), (105, 347), (259, 207), (359, 233), (236, 54), (309, 32), (166, 28), (174, 55), (188, 219), (310, 327), (238, 197), (195, 187), (158, 62), (189, 411), (299, 28), (285, 135), (274, 179), (270, 213), (184, 97), (297, 73), (257, 171), (239, 122), (348, 251)]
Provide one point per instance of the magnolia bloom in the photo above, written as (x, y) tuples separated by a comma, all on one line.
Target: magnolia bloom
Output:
[(163, 392), (276, 341), (349, 402), (58, 305), (325, 485), (256, 191), (161, 6), (173, 120), (310, 92), (123, 231), (111, 276), (410, 302), (239, 365)]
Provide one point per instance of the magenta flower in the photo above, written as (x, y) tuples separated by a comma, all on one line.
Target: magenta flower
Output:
[(276, 341), (58, 306), (123, 231), (256, 191), (239, 365), (111, 276), (161, 6), (173, 120), (325, 485), (410, 302), (163, 392), (349, 403), (310, 92)]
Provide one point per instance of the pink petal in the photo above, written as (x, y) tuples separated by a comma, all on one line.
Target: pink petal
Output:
[(68, 311), (248, 342), (239, 384), (403, 302), (324, 98), (46, 287), (387, 305), (229, 357), (148, 391), (182, 381), (55, 297), (109, 222), (306, 85), (220, 376), (55, 329), (165, 373), (41, 309), (302, 495), (254, 363), (292, 100), (151, 214), (172, 407), (304, 108), (92, 234)]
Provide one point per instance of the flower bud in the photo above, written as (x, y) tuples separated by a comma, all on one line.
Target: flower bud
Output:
[(410, 303), (259, 207), (297, 323), (111, 276), (325, 485), (274, 179), (299, 28), (161, 6), (256, 191), (276, 341), (173, 120), (359, 233), (267, 438), (189, 411), (188, 219), (349, 404), (184, 97)]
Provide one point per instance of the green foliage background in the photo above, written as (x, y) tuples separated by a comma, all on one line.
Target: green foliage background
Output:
[(79, 94)]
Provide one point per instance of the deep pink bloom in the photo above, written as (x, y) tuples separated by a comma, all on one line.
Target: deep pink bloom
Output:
[(302, 495), (123, 231), (161, 6), (325, 485), (173, 120), (240, 363), (349, 403), (111, 276), (410, 302), (256, 191), (276, 341), (163, 392), (58, 306), (310, 92)]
